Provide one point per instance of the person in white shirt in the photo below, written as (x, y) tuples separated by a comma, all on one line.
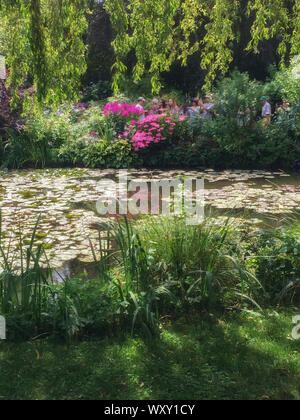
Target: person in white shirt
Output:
[(140, 107), (207, 108), (266, 112)]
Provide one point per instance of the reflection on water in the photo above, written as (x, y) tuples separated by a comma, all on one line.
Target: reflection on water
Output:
[(75, 268)]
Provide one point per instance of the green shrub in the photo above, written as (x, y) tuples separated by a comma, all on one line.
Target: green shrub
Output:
[(275, 258), (81, 307), (36, 142), (287, 82), (238, 94), (273, 147), (98, 154), (23, 287), (96, 92), (192, 262), (102, 155), (22, 150)]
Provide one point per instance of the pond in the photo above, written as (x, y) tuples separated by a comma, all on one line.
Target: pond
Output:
[(66, 200)]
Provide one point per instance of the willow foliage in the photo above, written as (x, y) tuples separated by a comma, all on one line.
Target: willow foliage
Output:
[(163, 31), (44, 38)]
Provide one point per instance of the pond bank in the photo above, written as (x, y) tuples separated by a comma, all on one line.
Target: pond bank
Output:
[(66, 200)]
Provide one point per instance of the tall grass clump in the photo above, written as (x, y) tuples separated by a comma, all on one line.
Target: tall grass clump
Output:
[(127, 270), (33, 304), (23, 283), (165, 266), (196, 262)]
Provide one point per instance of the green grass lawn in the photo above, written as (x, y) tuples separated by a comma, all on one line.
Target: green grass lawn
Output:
[(232, 357)]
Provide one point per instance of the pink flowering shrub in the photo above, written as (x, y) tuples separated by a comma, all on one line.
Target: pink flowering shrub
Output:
[(127, 124), (119, 115), (152, 129), (125, 110)]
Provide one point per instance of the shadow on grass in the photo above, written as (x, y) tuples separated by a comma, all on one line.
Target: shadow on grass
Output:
[(224, 360), (237, 358)]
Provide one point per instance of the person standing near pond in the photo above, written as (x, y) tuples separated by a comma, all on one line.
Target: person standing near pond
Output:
[(282, 111), (162, 106), (173, 108), (194, 109), (266, 112), (140, 107), (207, 108), (285, 106), (154, 108)]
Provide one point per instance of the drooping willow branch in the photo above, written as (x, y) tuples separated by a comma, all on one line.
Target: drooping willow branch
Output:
[(44, 39), (163, 31)]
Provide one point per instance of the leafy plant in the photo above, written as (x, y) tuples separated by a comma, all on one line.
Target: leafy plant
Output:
[(131, 279), (194, 262), (276, 262), (24, 288), (96, 91)]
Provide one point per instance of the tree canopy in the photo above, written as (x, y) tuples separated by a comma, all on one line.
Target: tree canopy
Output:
[(163, 31), (45, 38)]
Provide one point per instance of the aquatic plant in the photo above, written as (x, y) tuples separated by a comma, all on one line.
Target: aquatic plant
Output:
[(24, 281)]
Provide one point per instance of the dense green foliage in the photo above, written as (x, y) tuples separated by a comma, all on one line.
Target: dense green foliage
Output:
[(158, 268), (161, 32), (277, 264), (82, 135), (44, 41)]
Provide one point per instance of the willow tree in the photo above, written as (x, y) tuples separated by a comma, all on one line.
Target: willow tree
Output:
[(44, 39), (161, 32)]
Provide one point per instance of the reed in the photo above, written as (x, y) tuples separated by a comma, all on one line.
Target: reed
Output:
[(23, 280)]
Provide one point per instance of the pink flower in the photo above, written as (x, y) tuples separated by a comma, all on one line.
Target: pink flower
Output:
[(121, 109)]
